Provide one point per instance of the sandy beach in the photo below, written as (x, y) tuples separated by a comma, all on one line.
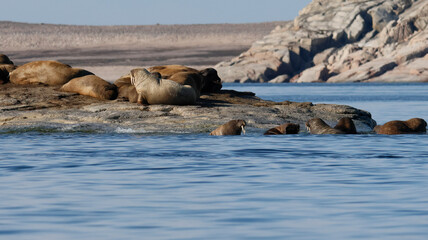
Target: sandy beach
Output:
[(111, 51)]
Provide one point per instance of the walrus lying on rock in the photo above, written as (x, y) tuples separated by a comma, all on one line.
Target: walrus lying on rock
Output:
[(153, 90), (413, 125), (204, 81), (233, 127), (5, 70), (318, 126), (5, 59), (93, 86), (46, 72), (6, 66), (125, 89), (287, 128)]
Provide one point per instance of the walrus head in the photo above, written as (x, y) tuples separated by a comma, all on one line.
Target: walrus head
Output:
[(212, 82), (233, 127), (240, 125), (290, 128), (5, 70), (318, 126), (5, 59), (314, 123), (139, 76), (346, 125), (417, 124)]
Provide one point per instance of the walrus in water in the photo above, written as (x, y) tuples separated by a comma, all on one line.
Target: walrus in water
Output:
[(346, 125), (318, 126), (233, 127), (46, 72), (153, 90), (93, 86), (287, 128), (411, 126)]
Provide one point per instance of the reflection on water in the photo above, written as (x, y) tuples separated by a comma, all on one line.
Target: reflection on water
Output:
[(134, 186)]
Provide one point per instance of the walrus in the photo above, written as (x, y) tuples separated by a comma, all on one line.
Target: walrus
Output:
[(5, 70), (346, 125), (93, 86), (318, 126), (411, 126), (154, 90), (5, 59), (212, 81), (46, 72), (203, 81), (286, 128), (233, 127), (126, 90), (181, 74)]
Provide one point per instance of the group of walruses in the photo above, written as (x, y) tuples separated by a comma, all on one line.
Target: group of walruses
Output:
[(318, 126), (172, 85)]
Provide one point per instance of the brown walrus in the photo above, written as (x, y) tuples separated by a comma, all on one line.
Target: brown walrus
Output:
[(181, 74), (125, 89), (286, 128), (46, 72), (203, 81), (212, 81), (233, 127), (5, 59), (413, 125), (93, 86), (153, 90), (346, 125), (5, 70), (318, 126)]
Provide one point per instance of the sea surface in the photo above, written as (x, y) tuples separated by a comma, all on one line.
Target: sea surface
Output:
[(71, 185)]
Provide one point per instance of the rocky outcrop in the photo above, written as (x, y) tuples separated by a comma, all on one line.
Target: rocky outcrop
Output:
[(44, 107), (340, 41)]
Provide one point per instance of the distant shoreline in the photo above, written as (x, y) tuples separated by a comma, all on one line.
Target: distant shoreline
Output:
[(110, 51)]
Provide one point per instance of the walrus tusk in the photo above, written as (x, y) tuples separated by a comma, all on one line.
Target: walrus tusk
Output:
[(243, 129)]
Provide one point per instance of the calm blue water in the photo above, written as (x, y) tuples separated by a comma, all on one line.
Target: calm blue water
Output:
[(193, 186)]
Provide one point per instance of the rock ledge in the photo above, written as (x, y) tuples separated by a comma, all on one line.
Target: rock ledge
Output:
[(40, 107)]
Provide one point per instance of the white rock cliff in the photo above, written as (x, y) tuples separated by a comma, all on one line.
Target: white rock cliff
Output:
[(340, 41)]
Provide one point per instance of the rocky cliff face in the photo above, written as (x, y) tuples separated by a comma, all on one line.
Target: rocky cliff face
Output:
[(340, 41)]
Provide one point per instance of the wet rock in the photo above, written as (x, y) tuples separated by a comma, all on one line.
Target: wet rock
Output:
[(77, 112)]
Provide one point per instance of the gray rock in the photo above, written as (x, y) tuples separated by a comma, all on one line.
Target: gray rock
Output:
[(365, 72), (346, 35), (82, 113), (280, 79), (323, 56), (318, 73)]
